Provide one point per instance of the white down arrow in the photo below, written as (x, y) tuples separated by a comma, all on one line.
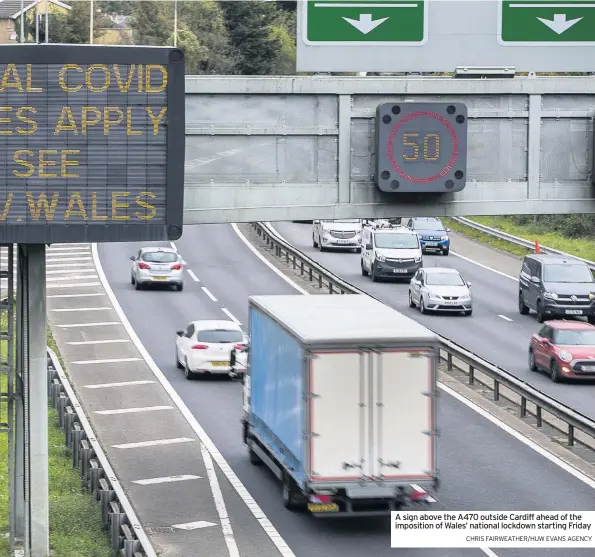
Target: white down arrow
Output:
[(559, 24), (365, 23)]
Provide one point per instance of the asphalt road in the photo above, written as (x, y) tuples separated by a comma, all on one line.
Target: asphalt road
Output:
[(496, 331), (483, 467)]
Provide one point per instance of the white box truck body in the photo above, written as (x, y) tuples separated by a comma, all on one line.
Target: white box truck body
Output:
[(340, 402)]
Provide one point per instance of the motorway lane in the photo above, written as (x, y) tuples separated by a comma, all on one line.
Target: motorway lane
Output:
[(476, 457), (486, 333)]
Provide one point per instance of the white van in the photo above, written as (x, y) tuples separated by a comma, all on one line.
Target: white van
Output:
[(337, 234), (390, 252)]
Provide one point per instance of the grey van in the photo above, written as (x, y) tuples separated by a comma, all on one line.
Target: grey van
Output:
[(555, 287)]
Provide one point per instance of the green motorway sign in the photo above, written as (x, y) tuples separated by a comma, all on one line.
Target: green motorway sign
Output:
[(365, 22), (539, 22)]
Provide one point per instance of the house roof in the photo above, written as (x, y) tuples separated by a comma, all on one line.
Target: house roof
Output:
[(11, 9)]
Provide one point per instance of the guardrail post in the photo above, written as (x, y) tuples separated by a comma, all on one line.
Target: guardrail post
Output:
[(496, 389), (310, 274), (62, 403), (294, 262), (56, 389), (77, 437), (130, 544), (117, 518), (330, 288), (570, 435), (523, 407), (449, 361), (538, 416), (95, 473), (106, 496), (69, 417), (471, 375), (320, 281), (85, 452), (287, 257), (302, 268), (51, 375)]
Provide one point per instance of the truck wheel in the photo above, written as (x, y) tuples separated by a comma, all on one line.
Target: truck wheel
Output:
[(364, 272), (374, 275), (293, 500), (523, 309)]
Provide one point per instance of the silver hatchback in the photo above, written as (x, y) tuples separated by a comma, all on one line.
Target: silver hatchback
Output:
[(161, 266)]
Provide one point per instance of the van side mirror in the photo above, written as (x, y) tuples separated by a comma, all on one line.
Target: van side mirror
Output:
[(132, 258), (535, 280), (316, 222), (468, 284), (368, 246), (180, 333)]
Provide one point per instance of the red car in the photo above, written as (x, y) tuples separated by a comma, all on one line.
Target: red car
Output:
[(565, 349)]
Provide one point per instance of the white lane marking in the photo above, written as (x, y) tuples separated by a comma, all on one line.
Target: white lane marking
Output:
[(166, 479), (519, 436), (192, 275), (156, 443), (87, 342), (73, 248), (488, 552), (505, 318), (67, 259), (194, 525), (230, 541), (78, 269), (72, 253), (64, 265), (73, 277), (223, 465), (422, 490), (266, 262), (109, 361), (132, 410), (77, 325), (483, 266), (73, 285), (208, 293), (231, 316), (75, 295), (82, 309), (174, 247), (120, 384)]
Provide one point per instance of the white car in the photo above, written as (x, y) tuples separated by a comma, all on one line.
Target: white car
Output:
[(204, 347), (440, 289), (157, 266), (337, 234)]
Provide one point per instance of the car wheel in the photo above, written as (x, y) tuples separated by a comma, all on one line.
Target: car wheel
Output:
[(320, 245), (555, 372), (180, 287), (445, 251), (468, 312), (591, 319), (422, 306), (374, 275), (189, 375), (364, 272), (523, 309), (411, 302), (532, 365), (540, 313), (178, 363), (132, 279), (314, 244), (138, 285)]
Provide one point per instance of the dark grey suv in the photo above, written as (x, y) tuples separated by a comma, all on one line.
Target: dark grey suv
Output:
[(555, 287)]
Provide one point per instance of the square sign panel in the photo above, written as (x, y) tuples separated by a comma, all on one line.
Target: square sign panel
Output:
[(91, 144), (421, 147)]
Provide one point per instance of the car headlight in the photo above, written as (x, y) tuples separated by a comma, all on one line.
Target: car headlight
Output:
[(550, 295), (592, 296), (565, 356), (465, 298), (434, 296), (443, 238), (418, 259), (380, 257)]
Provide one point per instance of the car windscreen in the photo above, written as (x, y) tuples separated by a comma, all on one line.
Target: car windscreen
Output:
[(159, 257), (444, 279), (554, 272), (346, 221), (577, 338), (219, 336), (387, 240), (428, 224)]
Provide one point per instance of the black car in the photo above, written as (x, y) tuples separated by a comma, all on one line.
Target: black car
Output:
[(555, 287)]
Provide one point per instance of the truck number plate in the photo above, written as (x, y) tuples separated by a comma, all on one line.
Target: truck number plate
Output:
[(574, 311), (323, 508)]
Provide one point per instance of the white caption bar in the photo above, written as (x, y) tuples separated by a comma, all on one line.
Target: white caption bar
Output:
[(517, 529)]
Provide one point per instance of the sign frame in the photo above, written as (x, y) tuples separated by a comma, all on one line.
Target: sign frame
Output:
[(391, 177), (425, 11), (450, 43), (43, 232)]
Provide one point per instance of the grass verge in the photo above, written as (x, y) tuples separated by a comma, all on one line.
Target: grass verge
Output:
[(75, 519)]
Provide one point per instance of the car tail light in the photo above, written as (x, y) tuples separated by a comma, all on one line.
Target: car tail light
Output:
[(199, 347), (143, 266), (239, 347), (176, 267)]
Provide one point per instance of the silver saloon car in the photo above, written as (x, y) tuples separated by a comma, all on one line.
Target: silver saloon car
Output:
[(440, 289), (157, 266)]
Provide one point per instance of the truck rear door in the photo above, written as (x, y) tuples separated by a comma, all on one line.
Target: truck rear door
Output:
[(338, 416), (403, 445)]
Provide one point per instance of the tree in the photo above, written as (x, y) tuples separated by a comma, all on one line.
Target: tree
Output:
[(119, 7), (249, 25), (150, 25), (73, 26), (285, 62), (195, 53)]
